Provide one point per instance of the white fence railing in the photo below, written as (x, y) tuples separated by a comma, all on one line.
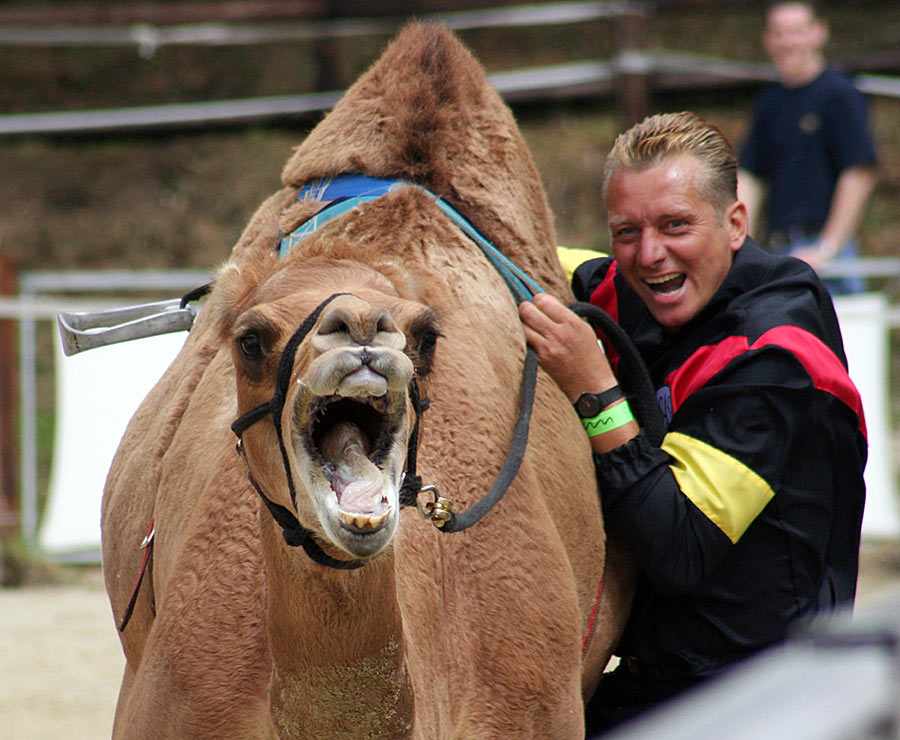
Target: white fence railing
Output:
[(550, 81)]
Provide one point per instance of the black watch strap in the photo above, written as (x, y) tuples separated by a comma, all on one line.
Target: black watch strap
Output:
[(590, 404)]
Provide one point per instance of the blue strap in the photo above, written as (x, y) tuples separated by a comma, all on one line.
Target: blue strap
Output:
[(520, 284), (347, 186), (347, 191)]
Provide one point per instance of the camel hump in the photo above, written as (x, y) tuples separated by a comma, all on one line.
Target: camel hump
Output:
[(406, 116), (426, 112)]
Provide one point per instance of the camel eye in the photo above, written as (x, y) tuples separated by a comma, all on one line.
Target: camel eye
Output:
[(250, 346), (424, 352), (427, 343)]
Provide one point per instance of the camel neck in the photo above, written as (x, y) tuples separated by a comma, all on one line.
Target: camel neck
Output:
[(337, 646)]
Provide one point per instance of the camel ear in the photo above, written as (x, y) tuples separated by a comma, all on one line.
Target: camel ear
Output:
[(231, 292), (236, 288)]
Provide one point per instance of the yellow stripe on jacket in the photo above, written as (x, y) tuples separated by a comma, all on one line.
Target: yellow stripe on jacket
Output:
[(730, 494), (571, 258)]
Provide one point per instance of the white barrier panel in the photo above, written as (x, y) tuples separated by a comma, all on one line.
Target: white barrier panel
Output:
[(97, 392), (865, 333)]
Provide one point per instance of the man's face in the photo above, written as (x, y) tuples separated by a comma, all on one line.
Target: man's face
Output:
[(671, 246), (794, 39)]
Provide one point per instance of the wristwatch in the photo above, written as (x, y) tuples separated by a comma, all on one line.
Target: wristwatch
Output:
[(589, 405)]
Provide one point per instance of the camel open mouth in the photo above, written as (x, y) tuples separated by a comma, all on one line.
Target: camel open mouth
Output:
[(350, 438)]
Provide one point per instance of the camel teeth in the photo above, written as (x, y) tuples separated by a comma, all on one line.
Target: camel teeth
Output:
[(364, 522)]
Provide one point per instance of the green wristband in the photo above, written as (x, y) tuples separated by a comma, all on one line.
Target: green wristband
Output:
[(606, 421)]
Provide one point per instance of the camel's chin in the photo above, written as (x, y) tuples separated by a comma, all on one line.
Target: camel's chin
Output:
[(357, 534)]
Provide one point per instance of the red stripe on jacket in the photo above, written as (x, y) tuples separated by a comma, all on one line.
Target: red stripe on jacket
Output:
[(605, 297), (826, 370)]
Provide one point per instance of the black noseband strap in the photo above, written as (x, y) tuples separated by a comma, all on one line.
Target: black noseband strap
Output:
[(295, 534)]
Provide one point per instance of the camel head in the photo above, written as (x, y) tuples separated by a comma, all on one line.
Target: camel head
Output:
[(325, 386), (425, 129)]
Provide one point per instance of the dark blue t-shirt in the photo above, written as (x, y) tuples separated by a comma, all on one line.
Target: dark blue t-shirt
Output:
[(800, 140)]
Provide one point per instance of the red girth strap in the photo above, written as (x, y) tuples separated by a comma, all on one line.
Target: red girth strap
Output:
[(147, 547), (592, 620)]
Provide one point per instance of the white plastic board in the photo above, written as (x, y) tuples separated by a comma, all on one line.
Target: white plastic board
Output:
[(97, 392), (866, 344)]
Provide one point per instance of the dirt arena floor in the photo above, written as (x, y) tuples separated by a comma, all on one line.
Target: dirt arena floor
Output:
[(60, 661)]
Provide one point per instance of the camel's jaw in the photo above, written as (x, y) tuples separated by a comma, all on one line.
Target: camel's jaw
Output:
[(349, 450)]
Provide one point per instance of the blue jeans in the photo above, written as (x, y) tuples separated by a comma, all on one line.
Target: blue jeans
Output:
[(836, 286)]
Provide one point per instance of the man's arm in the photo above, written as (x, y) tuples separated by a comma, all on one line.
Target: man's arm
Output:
[(656, 511), (851, 192), (850, 195), (751, 191)]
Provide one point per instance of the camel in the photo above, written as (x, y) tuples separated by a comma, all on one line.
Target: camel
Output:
[(340, 349)]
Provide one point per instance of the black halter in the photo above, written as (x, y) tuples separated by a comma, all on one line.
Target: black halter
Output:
[(295, 534)]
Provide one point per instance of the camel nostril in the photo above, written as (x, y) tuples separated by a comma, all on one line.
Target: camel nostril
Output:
[(384, 322), (333, 323)]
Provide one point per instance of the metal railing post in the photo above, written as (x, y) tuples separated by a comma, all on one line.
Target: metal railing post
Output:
[(28, 389)]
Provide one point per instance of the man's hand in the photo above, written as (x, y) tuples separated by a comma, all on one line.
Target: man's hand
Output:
[(816, 256), (566, 347)]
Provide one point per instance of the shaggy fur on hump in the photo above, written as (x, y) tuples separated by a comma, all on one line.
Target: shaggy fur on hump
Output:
[(425, 112)]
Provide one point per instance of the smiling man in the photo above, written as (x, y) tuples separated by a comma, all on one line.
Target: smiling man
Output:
[(747, 517)]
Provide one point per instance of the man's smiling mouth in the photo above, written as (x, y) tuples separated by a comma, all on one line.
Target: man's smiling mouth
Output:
[(666, 284)]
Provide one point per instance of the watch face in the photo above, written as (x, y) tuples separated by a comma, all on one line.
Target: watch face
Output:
[(587, 405)]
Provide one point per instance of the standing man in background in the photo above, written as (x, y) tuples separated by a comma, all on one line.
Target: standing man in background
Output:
[(808, 147)]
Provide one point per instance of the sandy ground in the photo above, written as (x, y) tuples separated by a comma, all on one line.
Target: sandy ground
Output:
[(60, 660)]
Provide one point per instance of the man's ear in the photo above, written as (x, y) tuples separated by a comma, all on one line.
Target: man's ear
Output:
[(736, 221)]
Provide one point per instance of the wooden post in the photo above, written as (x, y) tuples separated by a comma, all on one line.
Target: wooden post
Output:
[(632, 80), (9, 407), (325, 55)]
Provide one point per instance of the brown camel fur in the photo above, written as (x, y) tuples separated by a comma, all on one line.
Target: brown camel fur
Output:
[(473, 634)]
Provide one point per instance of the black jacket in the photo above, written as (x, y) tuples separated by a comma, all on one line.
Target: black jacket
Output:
[(748, 517)]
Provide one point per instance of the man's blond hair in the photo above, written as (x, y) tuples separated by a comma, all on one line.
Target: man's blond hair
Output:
[(661, 137)]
